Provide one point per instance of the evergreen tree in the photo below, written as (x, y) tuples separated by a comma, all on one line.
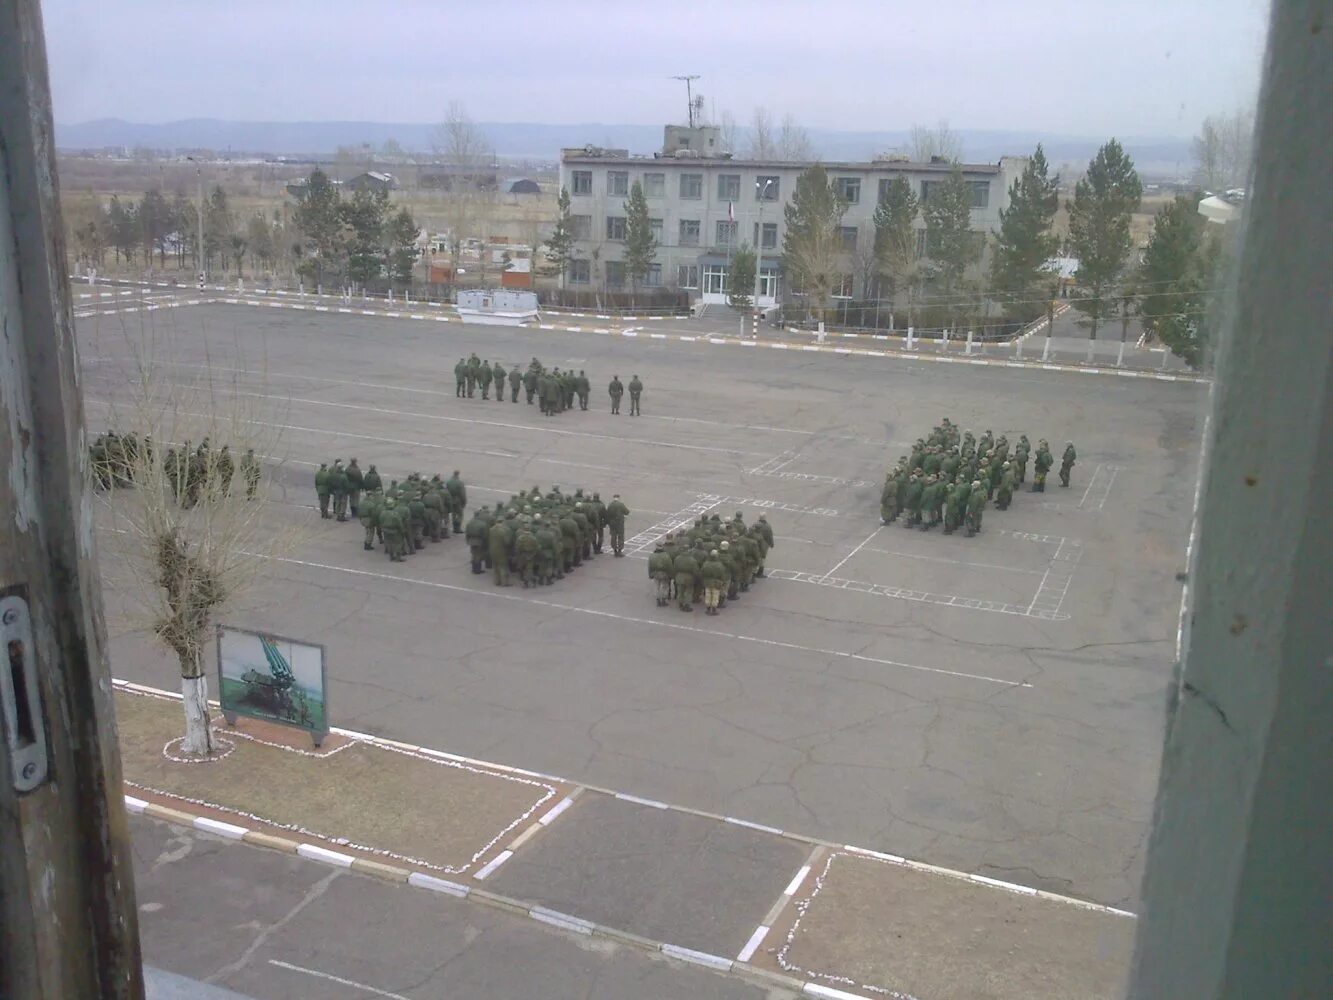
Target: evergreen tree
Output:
[(217, 227), (185, 221), (1099, 216), (1177, 271), (740, 279), (319, 219), (363, 219), (640, 247), (259, 234), (559, 248), (124, 235), (895, 238), (154, 219), (949, 238), (401, 239), (811, 248), (1025, 242)]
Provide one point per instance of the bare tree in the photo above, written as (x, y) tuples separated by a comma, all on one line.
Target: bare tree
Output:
[(470, 197), (1222, 150), (941, 141), (730, 136), (187, 503), (794, 142), (762, 145)]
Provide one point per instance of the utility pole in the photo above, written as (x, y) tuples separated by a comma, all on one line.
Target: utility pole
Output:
[(66, 886), (689, 79), (760, 190), (199, 207)]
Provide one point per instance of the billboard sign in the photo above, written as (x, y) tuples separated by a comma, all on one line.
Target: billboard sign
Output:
[(265, 676)]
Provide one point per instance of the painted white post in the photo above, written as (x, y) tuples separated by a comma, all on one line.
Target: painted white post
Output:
[(969, 342), (911, 337), (390, 296), (1120, 356), (1046, 350), (319, 290), (821, 331), (944, 341), (1018, 348)]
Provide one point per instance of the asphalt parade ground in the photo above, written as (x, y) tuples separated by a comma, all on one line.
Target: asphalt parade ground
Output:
[(992, 706)]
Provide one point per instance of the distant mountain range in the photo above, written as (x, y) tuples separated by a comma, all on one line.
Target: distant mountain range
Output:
[(1162, 156)]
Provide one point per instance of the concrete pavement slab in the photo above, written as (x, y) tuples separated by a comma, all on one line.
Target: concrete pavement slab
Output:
[(670, 876)]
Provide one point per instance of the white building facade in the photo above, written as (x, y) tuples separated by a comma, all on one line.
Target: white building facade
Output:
[(704, 206)]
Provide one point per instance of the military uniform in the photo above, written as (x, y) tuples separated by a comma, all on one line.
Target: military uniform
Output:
[(616, 512), (635, 392), (660, 571), (515, 379), (1067, 463), (460, 378), (484, 375), (250, 472), (458, 493), (686, 569), (477, 538), (615, 390), (499, 375), (499, 539), (321, 487), (391, 529), (356, 481)]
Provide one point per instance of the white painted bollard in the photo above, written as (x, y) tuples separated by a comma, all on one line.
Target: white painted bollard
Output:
[(1092, 350), (319, 290), (1120, 356), (390, 296), (1018, 348), (300, 289), (821, 331), (240, 286), (969, 342), (944, 341), (911, 337), (1046, 351), (407, 296)]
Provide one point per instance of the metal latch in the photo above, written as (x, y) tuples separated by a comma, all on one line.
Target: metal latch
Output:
[(25, 728)]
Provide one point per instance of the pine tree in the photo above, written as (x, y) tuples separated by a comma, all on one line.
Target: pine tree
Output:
[(123, 229), (640, 247), (740, 279), (217, 226), (364, 216), (320, 221), (1099, 215), (811, 249), (401, 240), (1177, 270), (1025, 242), (949, 238), (895, 238), (559, 247)]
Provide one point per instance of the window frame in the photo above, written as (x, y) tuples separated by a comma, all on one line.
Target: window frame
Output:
[(623, 228), (617, 175), (699, 192), (658, 190), (845, 182), (687, 241), (580, 175), (734, 187)]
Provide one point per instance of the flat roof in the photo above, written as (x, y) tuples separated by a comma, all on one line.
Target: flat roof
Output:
[(833, 166)]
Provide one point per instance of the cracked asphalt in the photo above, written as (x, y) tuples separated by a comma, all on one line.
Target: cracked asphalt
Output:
[(896, 705)]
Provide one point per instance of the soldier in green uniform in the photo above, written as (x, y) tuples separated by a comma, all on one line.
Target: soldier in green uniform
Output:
[(1041, 465), (321, 489), (616, 390), (477, 537), (498, 372), (597, 514), (714, 576), (338, 487), (1004, 493), (660, 571), (484, 376), (764, 529), (530, 382), (371, 480), (888, 499), (954, 506), (499, 538), (915, 487), (569, 540), (548, 544), (515, 379), (391, 529), (616, 512), (416, 511), (525, 553), (686, 568), (250, 472), (976, 503), (1021, 452), (1067, 462), (433, 501), (731, 564), (635, 392), (460, 378), (356, 481), (473, 373), (583, 388), (458, 493), (368, 514), (585, 531), (761, 544)]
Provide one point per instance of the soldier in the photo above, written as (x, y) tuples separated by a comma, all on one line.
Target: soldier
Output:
[(1004, 493), (686, 568), (764, 529), (484, 375), (515, 379), (597, 514), (583, 388), (616, 512), (391, 530), (477, 538), (473, 373), (500, 538), (616, 390), (915, 488), (250, 472), (930, 496), (548, 544), (368, 515), (499, 373), (635, 391), (660, 571), (433, 501), (1021, 452), (761, 545), (1041, 465), (458, 493), (416, 512), (321, 489), (749, 552), (356, 481), (1067, 462), (530, 380), (976, 503), (338, 487), (585, 531), (550, 389), (731, 564), (460, 378), (714, 577), (569, 540), (954, 506), (371, 482), (223, 468)]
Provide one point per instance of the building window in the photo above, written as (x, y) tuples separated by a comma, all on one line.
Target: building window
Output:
[(726, 233), (715, 279), (581, 226), (767, 239), (582, 182), (928, 188), (884, 184), (654, 185), (653, 279), (655, 230), (615, 227), (842, 286), (689, 232), (692, 186), (768, 282), (580, 272), (687, 275), (615, 274), (767, 187), (617, 182), (729, 187), (848, 188), (921, 244), (980, 193), (847, 237)]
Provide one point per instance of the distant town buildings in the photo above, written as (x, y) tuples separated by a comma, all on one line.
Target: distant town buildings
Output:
[(705, 203)]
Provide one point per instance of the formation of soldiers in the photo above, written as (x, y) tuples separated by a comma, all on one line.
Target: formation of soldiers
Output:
[(949, 478), (555, 391), (191, 473), (539, 538), (400, 517), (712, 561)]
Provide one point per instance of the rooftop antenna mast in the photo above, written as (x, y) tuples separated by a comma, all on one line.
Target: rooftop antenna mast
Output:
[(689, 94)]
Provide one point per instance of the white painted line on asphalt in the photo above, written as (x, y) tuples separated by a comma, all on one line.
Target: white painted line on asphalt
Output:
[(697, 957), (796, 881), (493, 864), (752, 826), (134, 805), (752, 945), (316, 853), (653, 803), (1026, 890), (337, 979), (556, 810), (954, 562), (853, 552), (562, 920), (438, 885), (891, 858), (829, 993), (229, 830)]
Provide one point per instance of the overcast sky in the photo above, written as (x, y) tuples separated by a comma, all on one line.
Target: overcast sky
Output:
[(1088, 67)]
